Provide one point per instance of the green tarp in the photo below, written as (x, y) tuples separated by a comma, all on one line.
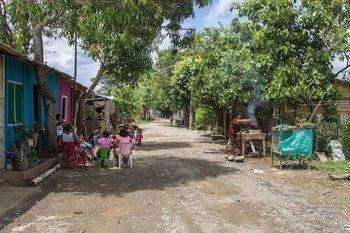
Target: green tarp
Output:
[(297, 142)]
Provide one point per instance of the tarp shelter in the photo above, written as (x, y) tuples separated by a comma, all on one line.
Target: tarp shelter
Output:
[(292, 143)]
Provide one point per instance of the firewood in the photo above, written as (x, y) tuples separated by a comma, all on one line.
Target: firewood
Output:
[(239, 159), (340, 177)]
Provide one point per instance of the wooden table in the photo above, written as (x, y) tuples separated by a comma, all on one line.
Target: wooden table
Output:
[(253, 136)]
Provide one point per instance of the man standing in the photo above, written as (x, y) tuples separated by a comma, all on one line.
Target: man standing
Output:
[(235, 127)]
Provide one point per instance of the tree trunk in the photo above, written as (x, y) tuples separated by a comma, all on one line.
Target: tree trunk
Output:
[(191, 116), (81, 115), (226, 121), (49, 104), (220, 121), (81, 119), (46, 94), (186, 116)]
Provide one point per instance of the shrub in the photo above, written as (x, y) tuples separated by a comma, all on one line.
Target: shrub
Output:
[(204, 117), (91, 113)]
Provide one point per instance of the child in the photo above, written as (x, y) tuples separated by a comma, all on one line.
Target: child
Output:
[(59, 132), (93, 138), (123, 137), (106, 141), (138, 137)]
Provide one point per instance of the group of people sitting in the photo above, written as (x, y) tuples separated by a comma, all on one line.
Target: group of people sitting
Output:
[(83, 148)]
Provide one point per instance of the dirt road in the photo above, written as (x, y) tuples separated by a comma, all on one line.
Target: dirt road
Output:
[(182, 183)]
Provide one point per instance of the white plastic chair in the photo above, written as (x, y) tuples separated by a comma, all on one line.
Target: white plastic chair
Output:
[(124, 150)]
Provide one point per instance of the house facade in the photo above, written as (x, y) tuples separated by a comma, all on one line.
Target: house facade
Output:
[(2, 129), (65, 98), (20, 100), (23, 103), (344, 103)]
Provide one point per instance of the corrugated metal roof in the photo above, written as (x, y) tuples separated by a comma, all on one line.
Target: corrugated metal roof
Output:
[(8, 50)]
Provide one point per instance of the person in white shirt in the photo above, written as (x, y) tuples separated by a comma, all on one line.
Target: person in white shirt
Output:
[(59, 129)]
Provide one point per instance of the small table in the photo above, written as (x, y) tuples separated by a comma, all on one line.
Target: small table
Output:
[(252, 136)]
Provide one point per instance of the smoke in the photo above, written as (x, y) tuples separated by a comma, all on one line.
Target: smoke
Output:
[(251, 113)]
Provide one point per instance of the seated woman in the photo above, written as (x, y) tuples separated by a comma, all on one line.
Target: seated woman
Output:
[(70, 137)]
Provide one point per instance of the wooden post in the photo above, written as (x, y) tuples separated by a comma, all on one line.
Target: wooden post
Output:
[(313, 114), (45, 174)]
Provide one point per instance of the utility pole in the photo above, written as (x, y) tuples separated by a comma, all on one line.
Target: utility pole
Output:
[(74, 102)]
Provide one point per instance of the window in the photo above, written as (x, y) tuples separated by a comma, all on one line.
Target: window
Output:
[(15, 102), (64, 107)]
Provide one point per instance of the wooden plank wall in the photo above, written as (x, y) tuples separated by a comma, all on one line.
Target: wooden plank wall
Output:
[(2, 151)]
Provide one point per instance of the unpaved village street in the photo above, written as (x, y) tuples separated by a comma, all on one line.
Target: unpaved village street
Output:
[(181, 182)]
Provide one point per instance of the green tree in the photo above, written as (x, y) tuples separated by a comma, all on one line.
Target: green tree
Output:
[(225, 75), (108, 30), (24, 23), (127, 102), (294, 44)]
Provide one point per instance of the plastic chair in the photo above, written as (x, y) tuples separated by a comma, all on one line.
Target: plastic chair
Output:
[(124, 150), (69, 150), (102, 155)]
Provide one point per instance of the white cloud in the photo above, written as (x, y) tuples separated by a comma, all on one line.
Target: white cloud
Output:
[(59, 55), (338, 65), (164, 44), (218, 12)]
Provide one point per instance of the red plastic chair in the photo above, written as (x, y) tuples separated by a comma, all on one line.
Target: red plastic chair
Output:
[(69, 149)]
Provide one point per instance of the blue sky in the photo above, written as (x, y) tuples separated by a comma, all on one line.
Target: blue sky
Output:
[(211, 16), (60, 55)]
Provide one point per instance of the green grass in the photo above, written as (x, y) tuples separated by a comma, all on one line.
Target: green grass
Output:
[(339, 167)]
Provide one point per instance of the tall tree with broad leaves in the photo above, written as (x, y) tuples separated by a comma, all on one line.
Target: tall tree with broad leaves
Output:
[(122, 42), (108, 31), (294, 45), (225, 76), (23, 26)]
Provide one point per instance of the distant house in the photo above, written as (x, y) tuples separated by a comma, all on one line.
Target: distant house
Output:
[(304, 110), (105, 107), (344, 103)]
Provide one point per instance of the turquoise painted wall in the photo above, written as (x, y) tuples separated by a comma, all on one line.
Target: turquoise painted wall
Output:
[(22, 72)]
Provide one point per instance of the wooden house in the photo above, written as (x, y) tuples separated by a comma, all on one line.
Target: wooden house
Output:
[(101, 103), (304, 110), (344, 103), (20, 100)]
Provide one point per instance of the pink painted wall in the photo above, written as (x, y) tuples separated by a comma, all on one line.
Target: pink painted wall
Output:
[(64, 89), (345, 89)]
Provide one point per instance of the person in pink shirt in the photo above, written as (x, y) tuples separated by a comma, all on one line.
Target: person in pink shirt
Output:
[(123, 137), (138, 137), (106, 141)]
